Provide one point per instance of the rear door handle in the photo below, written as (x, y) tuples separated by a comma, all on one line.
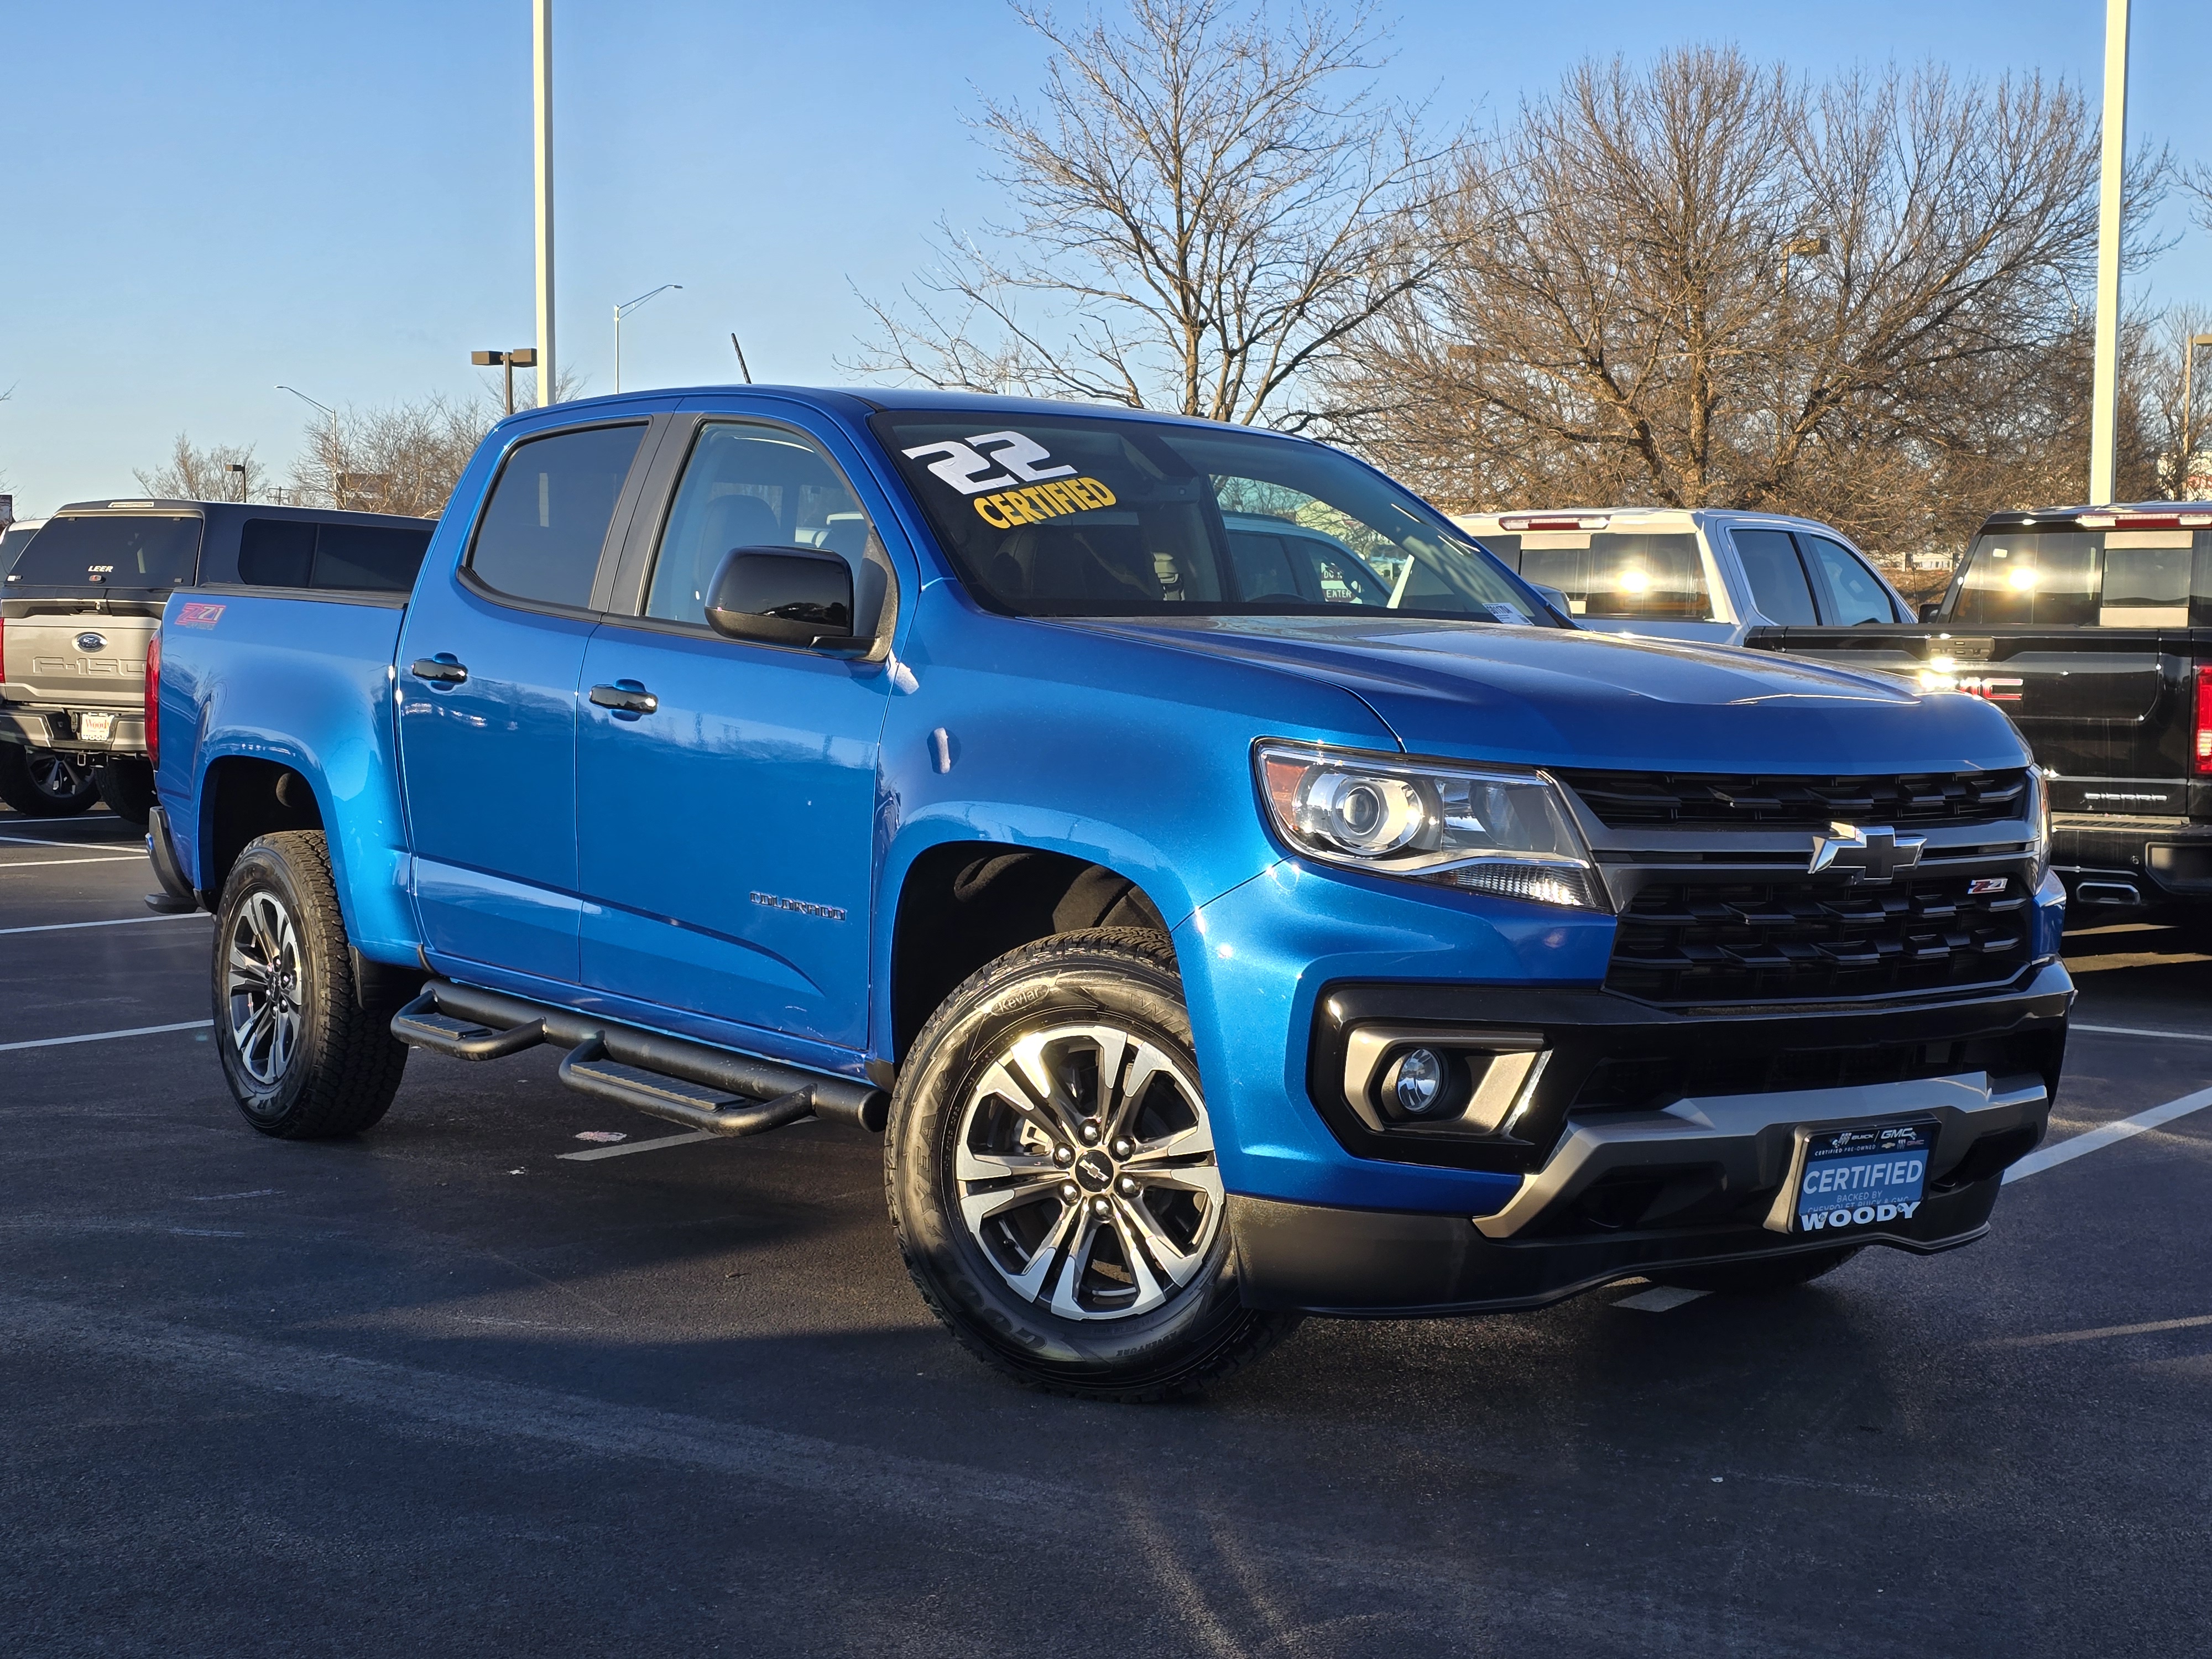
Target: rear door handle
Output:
[(441, 669), (630, 697)]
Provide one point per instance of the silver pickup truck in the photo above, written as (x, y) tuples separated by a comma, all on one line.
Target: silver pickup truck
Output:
[(84, 596)]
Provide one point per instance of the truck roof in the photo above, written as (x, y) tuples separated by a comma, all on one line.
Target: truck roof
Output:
[(173, 506), (2143, 515)]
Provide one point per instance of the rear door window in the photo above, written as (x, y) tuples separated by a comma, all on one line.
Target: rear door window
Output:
[(1777, 580), (134, 550), (542, 532), (1850, 593), (1621, 575)]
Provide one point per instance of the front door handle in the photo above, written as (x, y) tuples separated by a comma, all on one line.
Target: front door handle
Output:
[(628, 696), (441, 669)]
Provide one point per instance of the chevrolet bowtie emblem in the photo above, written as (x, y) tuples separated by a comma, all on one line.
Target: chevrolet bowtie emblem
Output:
[(1873, 855)]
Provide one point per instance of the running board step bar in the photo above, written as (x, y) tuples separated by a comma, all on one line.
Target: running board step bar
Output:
[(684, 1082)]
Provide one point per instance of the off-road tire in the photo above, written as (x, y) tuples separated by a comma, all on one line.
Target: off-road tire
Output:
[(1203, 1332), (345, 1065), (126, 784), (1769, 1276), (23, 792)]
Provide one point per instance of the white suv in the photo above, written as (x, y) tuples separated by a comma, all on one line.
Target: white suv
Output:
[(1701, 574)]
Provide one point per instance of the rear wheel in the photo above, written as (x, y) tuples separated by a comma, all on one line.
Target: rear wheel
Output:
[(1050, 1169), (1767, 1277), (126, 784), (44, 783), (305, 1060)]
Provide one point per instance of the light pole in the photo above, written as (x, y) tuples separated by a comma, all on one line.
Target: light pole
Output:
[(2105, 390), (624, 310), (541, 104), (239, 467), (2189, 408), (523, 357)]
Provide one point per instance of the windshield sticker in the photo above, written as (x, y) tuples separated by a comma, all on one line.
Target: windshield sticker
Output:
[(199, 614), (1025, 486)]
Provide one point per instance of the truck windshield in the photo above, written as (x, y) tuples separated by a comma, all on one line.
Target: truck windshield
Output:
[(1068, 515), (138, 549), (2086, 578)]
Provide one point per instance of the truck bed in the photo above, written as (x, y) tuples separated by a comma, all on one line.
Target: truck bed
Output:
[(248, 678)]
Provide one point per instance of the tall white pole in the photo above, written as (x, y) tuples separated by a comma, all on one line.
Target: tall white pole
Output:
[(2104, 413), (541, 82)]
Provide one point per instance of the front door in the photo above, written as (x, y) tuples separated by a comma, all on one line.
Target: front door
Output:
[(489, 663), (725, 835)]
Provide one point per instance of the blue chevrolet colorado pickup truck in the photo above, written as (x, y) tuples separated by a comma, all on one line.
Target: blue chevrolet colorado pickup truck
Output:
[(1232, 893)]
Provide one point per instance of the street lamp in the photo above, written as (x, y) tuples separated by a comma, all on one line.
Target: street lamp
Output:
[(624, 310), (305, 398), (525, 357)]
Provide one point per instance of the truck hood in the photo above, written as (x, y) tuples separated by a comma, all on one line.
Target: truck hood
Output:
[(1546, 696)]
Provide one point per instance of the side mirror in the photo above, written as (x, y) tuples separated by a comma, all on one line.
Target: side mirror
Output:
[(1558, 600), (1928, 607), (789, 596)]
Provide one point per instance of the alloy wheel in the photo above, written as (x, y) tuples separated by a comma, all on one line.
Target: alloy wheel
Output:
[(1084, 1170), (263, 984), (57, 776)]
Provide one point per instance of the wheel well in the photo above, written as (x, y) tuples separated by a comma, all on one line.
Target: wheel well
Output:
[(243, 799), (967, 904)]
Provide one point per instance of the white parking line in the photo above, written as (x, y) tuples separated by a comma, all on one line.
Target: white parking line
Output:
[(42, 863), (2102, 1331), (121, 921), (643, 1146), (1660, 1299), (2106, 1135), (2129, 1031), (103, 1037), (33, 841)]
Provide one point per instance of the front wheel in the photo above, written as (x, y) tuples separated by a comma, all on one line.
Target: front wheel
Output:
[(1050, 1169), (44, 783), (305, 1060)]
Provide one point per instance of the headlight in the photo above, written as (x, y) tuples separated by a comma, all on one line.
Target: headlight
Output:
[(1478, 828), (2040, 780)]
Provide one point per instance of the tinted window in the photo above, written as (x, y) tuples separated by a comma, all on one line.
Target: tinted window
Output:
[(11, 545), (1101, 515), (1849, 593), (1778, 580), (132, 550), (541, 532), (360, 555), (275, 552), (2047, 576), (1621, 574), (753, 486)]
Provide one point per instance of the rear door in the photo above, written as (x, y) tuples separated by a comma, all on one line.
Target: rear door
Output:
[(487, 667)]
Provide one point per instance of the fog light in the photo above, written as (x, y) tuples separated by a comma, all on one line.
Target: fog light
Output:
[(1419, 1083)]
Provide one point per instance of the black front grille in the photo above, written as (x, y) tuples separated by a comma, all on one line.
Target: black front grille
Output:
[(1621, 799), (1799, 940)]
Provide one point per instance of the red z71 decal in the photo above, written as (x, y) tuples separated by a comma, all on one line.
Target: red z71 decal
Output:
[(199, 614)]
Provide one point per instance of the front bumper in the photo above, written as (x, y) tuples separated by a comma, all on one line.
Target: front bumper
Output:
[(65, 730)]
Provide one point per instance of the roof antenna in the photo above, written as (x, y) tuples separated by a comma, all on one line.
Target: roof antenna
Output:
[(740, 350)]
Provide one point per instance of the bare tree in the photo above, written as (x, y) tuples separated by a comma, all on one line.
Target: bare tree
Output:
[(1205, 215), (193, 474), (1710, 284), (2176, 398), (400, 457)]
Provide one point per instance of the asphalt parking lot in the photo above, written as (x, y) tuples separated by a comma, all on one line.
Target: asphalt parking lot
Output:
[(443, 1390)]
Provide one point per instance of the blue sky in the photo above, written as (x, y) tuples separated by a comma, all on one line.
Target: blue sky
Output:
[(203, 201)]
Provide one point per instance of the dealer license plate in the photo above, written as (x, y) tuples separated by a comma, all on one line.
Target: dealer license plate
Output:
[(1862, 1175), (96, 728)]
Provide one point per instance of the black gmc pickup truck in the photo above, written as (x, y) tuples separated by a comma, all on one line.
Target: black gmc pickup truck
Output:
[(2092, 626)]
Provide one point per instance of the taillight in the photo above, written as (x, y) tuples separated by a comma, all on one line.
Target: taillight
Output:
[(2202, 749), (154, 699)]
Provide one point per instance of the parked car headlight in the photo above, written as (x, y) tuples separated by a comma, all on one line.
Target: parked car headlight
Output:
[(2039, 778), (1479, 829)]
